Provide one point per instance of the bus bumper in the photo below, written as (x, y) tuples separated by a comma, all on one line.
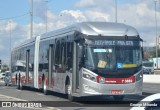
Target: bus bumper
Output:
[(90, 88)]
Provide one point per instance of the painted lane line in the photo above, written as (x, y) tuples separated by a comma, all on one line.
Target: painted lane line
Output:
[(40, 94), (132, 99), (76, 103), (17, 99)]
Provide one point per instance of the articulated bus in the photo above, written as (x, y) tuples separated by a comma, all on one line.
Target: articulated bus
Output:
[(85, 59)]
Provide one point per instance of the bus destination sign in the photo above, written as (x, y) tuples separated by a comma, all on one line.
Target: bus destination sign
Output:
[(116, 42)]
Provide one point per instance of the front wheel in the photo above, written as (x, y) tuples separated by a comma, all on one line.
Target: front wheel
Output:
[(118, 98), (69, 93), (20, 85), (45, 91)]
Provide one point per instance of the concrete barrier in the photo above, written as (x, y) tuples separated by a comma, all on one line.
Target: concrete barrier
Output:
[(151, 78), (157, 72)]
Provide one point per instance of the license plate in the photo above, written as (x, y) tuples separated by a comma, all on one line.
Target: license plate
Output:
[(116, 91)]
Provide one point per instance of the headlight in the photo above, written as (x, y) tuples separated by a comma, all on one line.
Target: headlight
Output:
[(139, 76), (89, 76)]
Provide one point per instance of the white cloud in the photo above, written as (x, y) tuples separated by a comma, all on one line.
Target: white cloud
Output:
[(10, 26), (7, 26), (96, 15), (72, 16), (139, 15), (1, 46)]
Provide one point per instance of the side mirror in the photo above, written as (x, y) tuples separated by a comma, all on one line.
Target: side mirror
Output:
[(80, 65)]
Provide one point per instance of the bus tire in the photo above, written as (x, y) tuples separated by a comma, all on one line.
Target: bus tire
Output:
[(118, 97), (18, 83), (68, 92), (20, 86), (45, 91)]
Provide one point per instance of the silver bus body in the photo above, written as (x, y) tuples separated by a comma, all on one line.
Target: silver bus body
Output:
[(52, 69)]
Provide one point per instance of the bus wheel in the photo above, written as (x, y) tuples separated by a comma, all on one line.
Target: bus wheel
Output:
[(118, 98), (68, 92), (18, 83), (45, 91)]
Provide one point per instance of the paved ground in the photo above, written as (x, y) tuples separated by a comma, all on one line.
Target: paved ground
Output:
[(10, 93)]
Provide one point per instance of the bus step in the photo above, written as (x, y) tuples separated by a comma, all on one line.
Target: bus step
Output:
[(75, 94), (77, 90)]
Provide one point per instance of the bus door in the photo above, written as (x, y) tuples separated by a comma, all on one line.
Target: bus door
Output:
[(50, 65), (27, 65), (57, 65), (75, 75)]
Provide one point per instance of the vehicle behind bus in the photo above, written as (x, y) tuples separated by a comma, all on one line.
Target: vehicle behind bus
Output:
[(148, 67)]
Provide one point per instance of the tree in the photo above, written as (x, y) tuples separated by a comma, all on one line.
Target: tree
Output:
[(153, 53)]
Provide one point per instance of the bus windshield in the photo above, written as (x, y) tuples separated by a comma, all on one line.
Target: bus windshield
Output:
[(128, 57), (112, 57)]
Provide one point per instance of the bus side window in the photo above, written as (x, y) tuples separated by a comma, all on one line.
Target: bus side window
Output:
[(64, 56), (57, 54), (69, 55), (62, 52)]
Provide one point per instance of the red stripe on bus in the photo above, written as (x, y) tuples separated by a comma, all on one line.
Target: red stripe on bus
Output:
[(116, 80), (39, 79), (47, 81)]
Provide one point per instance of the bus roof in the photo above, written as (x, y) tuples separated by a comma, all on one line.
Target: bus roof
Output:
[(97, 28), (92, 28)]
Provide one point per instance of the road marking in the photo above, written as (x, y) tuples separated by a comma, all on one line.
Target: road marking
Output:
[(76, 103), (9, 97), (57, 98), (43, 108), (17, 99), (39, 94), (132, 99)]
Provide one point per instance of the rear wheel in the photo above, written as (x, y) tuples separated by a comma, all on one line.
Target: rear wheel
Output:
[(18, 82), (20, 85), (118, 98)]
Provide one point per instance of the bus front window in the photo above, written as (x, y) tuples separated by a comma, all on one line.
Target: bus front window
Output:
[(128, 57), (100, 57), (112, 57)]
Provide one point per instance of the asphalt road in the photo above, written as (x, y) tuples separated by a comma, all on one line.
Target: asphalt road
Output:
[(10, 93)]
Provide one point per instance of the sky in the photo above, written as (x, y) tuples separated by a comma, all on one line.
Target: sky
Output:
[(15, 18)]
